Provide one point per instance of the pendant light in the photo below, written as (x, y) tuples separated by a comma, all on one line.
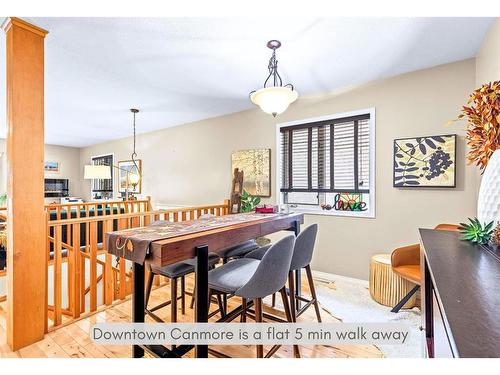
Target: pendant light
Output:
[(134, 178), (274, 99)]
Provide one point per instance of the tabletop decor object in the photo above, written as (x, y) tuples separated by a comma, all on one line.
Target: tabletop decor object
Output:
[(266, 209), (483, 127), (425, 161), (256, 167), (476, 232)]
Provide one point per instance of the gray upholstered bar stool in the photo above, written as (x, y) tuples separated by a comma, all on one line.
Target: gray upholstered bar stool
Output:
[(253, 279), (174, 272), (302, 255)]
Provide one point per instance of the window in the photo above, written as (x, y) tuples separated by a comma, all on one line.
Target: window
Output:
[(102, 188), (327, 164)]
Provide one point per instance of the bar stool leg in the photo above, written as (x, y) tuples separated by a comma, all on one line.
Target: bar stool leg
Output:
[(313, 291), (183, 295), (173, 300), (288, 314), (243, 318), (193, 296), (258, 319), (273, 301), (221, 306), (291, 287)]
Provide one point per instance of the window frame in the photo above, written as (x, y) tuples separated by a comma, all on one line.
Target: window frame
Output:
[(317, 210)]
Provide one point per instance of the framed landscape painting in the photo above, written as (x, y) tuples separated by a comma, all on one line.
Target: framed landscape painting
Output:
[(425, 161), (52, 166), (256, 167)]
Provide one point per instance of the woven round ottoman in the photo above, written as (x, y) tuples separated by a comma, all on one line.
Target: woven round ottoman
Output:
[(386, 287)]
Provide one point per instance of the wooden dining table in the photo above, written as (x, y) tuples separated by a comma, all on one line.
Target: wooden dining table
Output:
[(185, 240)]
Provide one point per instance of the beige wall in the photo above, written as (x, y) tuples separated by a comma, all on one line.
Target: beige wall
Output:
[(488, 58), (191, 164), (69, 157)]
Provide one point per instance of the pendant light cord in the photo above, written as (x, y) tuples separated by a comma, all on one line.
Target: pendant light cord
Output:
[(134, 154)]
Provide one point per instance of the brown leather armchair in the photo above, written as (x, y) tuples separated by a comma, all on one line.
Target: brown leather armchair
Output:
[(405, 262)]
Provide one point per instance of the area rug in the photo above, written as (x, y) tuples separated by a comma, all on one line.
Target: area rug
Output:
[(349, 301)]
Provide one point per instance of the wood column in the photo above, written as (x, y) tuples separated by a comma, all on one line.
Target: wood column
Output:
[(26, 251)]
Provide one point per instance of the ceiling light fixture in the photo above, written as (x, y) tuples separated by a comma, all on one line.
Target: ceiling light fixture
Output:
[(274, 99), (133, 178)]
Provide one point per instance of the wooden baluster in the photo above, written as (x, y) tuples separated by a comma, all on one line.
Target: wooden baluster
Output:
[(57, 266), (227, 206), (147, 220), (83, 266), (176, 216), (47, 258), (70, 266), (76, 276), (93, 265), (183, 213), (108, 268)]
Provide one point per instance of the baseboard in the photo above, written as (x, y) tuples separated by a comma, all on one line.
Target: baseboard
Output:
[(330, 277)]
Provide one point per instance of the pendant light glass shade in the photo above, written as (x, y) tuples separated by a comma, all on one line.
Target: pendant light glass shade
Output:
[(274, 100), (133, 178)]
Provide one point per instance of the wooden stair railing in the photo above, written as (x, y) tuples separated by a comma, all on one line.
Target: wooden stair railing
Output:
[(83, 271)]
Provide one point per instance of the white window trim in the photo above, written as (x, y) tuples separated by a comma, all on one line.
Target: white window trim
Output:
[(318, 210)]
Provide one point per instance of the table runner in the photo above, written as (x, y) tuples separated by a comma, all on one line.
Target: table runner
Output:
[(133, 244)]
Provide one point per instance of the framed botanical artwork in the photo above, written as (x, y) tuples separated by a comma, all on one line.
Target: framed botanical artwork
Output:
[(128, 165), (52, 167), (425, 161), (256, 167)]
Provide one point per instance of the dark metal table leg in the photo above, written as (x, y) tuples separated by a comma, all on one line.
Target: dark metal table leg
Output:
[(138, 304), (298, 275), (202, 302)]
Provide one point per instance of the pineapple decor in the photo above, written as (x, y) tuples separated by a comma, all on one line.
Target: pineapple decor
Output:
[(475, 232)]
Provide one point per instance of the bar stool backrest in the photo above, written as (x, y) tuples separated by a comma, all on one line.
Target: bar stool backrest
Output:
[(272, 272), (304, 247)]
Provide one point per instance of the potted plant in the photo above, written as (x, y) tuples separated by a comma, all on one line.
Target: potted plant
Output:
[(248, 202)]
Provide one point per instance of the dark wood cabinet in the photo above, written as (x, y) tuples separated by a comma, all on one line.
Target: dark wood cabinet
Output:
[(460, 296)]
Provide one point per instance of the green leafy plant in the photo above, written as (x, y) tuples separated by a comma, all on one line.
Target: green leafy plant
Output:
[(248, 202), (475, 232), (3, 200)]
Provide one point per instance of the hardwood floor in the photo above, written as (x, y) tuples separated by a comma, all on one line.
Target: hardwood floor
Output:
[(73, 340)]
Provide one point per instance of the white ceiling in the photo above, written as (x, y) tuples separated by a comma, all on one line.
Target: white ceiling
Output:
[(178, 70)]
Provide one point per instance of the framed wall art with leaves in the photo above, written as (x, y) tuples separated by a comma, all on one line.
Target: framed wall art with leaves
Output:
[(425, 161)]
